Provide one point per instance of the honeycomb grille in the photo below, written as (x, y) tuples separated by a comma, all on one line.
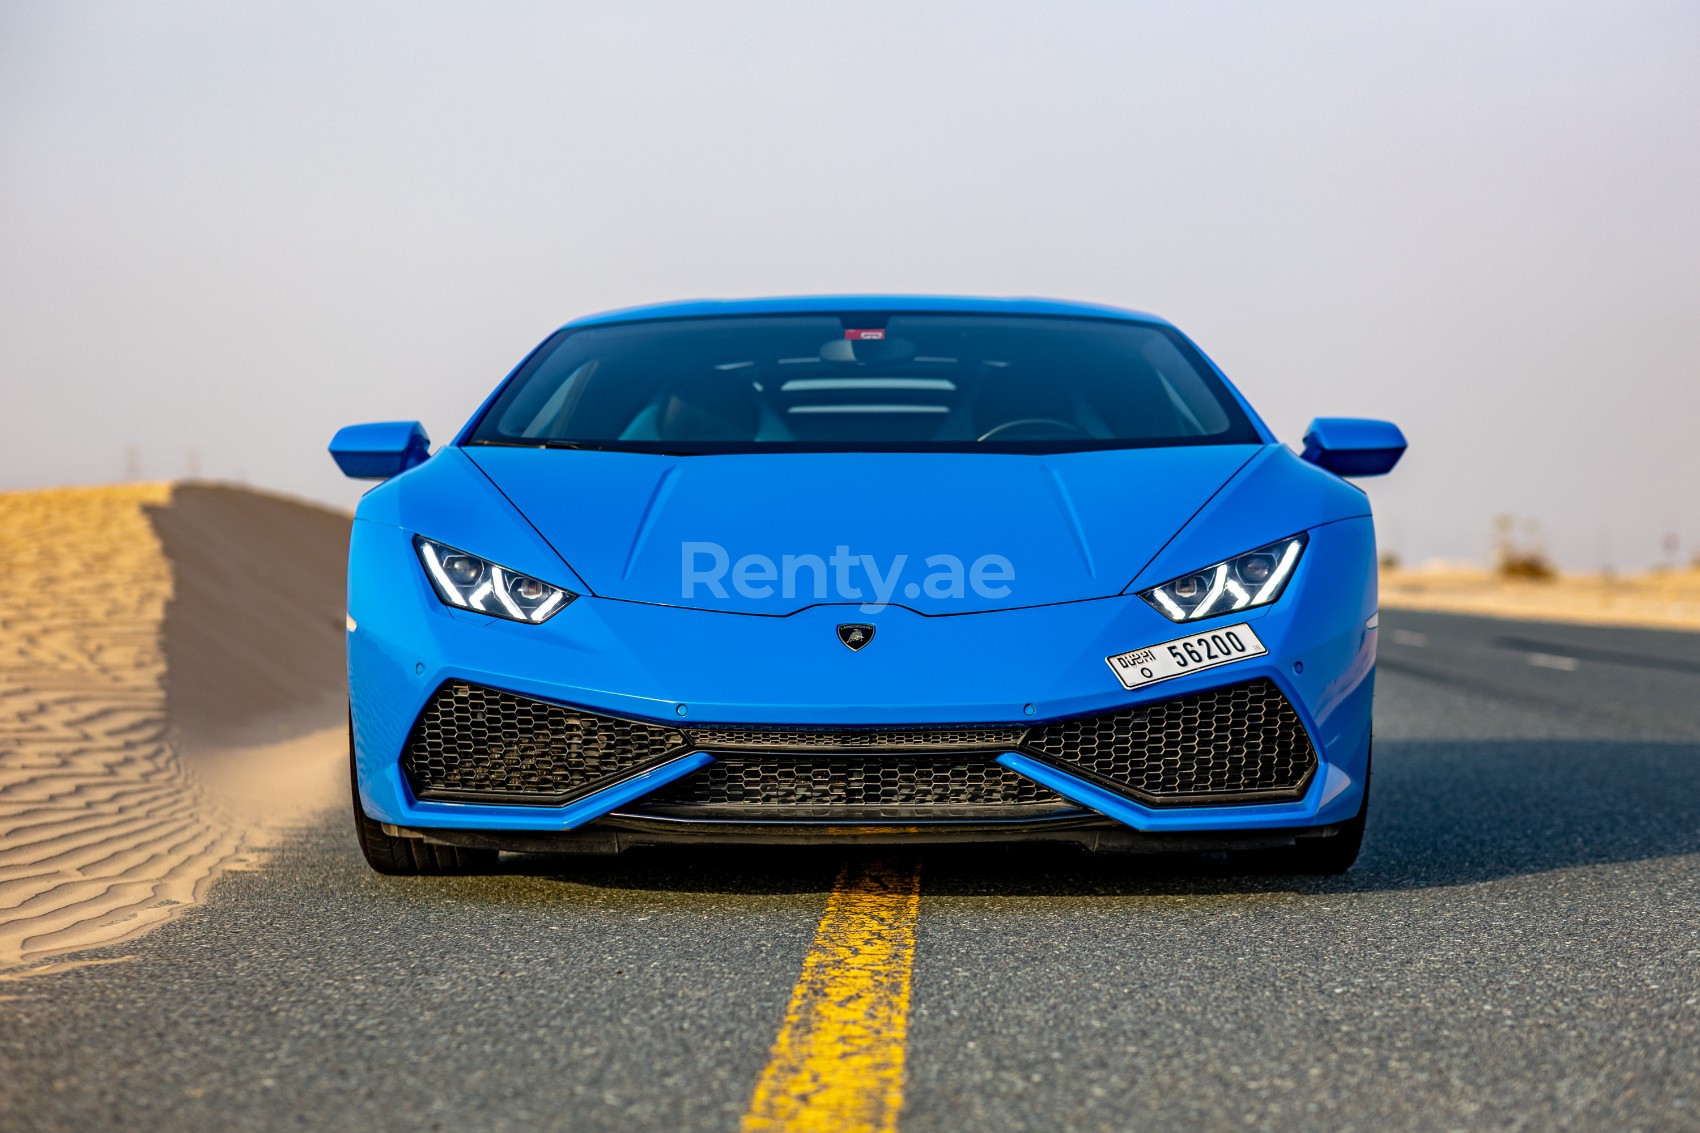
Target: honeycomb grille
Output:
[(1237, 744), (1243, 743), (473, 742), (804, 786), (856, 739)]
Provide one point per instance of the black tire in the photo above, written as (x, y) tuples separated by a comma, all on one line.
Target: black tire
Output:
[(408, 857), (1314, 857)]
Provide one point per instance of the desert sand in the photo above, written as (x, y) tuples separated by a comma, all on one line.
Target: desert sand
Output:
[(170, 700), (1656, 599)]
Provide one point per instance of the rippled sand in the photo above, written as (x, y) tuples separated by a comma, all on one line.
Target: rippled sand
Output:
[(138, 759)]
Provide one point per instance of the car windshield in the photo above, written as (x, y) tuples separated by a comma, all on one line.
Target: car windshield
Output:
[(856, 381)]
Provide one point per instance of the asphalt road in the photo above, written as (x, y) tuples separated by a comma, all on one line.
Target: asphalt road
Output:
[(1518, 948)]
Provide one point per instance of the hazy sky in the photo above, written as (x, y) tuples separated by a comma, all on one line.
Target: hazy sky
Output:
[(227, 229)]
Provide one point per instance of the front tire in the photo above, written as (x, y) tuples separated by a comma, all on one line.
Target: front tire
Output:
[(408, 857)]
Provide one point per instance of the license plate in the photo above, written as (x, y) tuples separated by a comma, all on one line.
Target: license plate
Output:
[(1205, 650)]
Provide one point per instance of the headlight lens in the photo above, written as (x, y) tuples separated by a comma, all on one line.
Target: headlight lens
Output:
[(1255, 578), (478, 584)]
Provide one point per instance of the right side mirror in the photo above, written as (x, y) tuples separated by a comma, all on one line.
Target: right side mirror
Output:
[(379, 450), (1353, 446)]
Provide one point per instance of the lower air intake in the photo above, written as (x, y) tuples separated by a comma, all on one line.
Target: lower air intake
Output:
[(1244, 743), (477, 744), (852, 787)]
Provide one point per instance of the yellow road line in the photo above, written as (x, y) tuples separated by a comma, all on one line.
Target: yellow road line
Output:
[(838, 1061)]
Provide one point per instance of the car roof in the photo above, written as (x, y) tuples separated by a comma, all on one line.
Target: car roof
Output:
[(810, 304)]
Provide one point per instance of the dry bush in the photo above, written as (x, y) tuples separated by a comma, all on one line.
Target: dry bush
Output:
[(1523, 559), (1526, 566)]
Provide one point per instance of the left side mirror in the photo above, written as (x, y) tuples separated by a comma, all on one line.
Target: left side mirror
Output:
[(1354, 446), (379, 450)]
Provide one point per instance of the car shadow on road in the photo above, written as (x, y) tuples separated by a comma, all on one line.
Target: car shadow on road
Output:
[(1443, 813)]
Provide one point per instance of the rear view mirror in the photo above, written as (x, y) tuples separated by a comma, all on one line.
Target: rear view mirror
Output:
[(1354, 446), (881, 351), (379, 450)]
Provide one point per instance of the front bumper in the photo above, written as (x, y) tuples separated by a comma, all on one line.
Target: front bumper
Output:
[(1008, 668)]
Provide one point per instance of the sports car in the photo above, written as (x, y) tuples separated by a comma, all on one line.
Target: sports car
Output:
[(870, 569)]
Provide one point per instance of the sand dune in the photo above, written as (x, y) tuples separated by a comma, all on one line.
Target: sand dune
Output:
[(170, 699)]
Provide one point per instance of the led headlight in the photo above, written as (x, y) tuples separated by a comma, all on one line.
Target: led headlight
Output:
[(1255, 578), (478, 584)]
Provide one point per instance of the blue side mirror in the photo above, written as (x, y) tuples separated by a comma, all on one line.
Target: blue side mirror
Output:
[(1354, 446), (379, 450)]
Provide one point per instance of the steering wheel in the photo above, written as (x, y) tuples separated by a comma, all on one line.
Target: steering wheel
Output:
[(1026, 421)]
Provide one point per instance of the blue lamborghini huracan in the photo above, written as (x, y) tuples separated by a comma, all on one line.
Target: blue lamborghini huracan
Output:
[(863, 569)]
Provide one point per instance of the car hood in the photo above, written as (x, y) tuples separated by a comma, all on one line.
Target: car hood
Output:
[(939, 533)]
